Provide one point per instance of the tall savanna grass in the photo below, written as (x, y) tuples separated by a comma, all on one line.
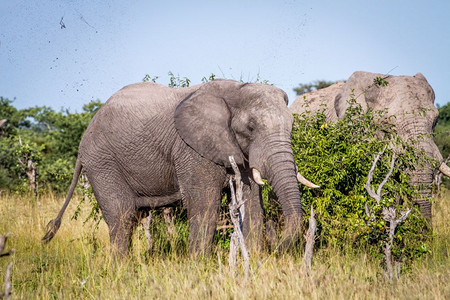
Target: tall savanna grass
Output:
[(77, 264)]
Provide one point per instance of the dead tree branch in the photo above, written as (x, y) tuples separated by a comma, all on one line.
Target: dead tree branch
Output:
[(237, 216), (30, 169), (389, 213), (377, 195), (310, 238), (7, 292), (168, 216), (147, 222)]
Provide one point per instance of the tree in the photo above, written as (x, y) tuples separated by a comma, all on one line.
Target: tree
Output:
[(44, 139), (312, 86)]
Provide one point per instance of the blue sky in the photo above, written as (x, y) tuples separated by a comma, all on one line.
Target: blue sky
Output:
[(106, 45)]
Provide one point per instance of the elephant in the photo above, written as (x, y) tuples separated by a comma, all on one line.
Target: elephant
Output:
[(410, 104), (150, 146)]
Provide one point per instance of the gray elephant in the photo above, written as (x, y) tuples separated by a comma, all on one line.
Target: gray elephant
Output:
[(410, 100), (150, 146)]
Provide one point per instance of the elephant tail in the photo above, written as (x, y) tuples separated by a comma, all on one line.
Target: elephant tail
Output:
[(53, 225)]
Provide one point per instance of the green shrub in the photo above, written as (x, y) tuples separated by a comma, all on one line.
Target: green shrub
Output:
[(338, 157)]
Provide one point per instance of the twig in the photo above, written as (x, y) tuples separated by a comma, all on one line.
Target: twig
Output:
[(237, 215), (310, 238), (7, 293), (168, 217), (377, 195), (389, 213), (146, 222)]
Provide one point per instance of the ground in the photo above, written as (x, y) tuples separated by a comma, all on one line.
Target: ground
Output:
[(77, 265)]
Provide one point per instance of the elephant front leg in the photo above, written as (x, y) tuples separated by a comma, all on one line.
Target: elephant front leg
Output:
[(203, 212), (253, 219)]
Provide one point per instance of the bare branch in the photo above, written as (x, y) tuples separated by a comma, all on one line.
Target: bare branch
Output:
[(7, 293), (377, 195), (147, 222), (310, 238), (370, 191), (387, 175), (236, 212), (403, 217), (389, 215)]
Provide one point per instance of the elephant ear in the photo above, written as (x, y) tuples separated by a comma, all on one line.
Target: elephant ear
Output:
[(203, 122), (360, 86)]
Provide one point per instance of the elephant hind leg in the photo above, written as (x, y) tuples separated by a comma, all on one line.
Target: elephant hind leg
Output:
[(121, 229), (117, 204)]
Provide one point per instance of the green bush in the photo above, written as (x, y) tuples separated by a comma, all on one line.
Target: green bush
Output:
[(338, 157)]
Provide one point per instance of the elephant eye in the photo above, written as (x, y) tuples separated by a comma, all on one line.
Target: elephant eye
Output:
[(251, 125)]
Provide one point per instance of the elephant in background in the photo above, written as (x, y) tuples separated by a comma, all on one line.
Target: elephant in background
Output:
[(150, 146), (404, 97)]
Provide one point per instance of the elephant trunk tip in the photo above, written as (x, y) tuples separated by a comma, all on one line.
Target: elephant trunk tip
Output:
[(52, 228)]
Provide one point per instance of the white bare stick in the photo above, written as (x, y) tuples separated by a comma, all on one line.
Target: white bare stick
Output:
[(168, 219), (377, 195), (146, 222), (7, 293), (310, 238), (236, 212), (389, 213), (391, 168), (220, 262)]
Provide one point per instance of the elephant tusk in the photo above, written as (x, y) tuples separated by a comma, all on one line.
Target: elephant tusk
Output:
[(445, 169), (306, 182), (257, 177)]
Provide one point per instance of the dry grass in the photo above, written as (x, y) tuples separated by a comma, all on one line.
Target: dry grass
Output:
[(73, 265)]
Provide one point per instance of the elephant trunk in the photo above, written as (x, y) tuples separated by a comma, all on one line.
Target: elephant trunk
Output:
[(423, 176), (278, 167)]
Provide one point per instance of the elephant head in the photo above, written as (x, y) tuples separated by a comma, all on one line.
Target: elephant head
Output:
[(410, 104), (252, 123)]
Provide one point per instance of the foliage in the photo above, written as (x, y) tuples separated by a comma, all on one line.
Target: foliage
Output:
[(312, 86), (442, 130), (338, 157), (442, 136), (49, 138)]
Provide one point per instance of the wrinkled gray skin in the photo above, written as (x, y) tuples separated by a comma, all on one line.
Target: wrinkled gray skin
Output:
[(404, 96), (150, 146)]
